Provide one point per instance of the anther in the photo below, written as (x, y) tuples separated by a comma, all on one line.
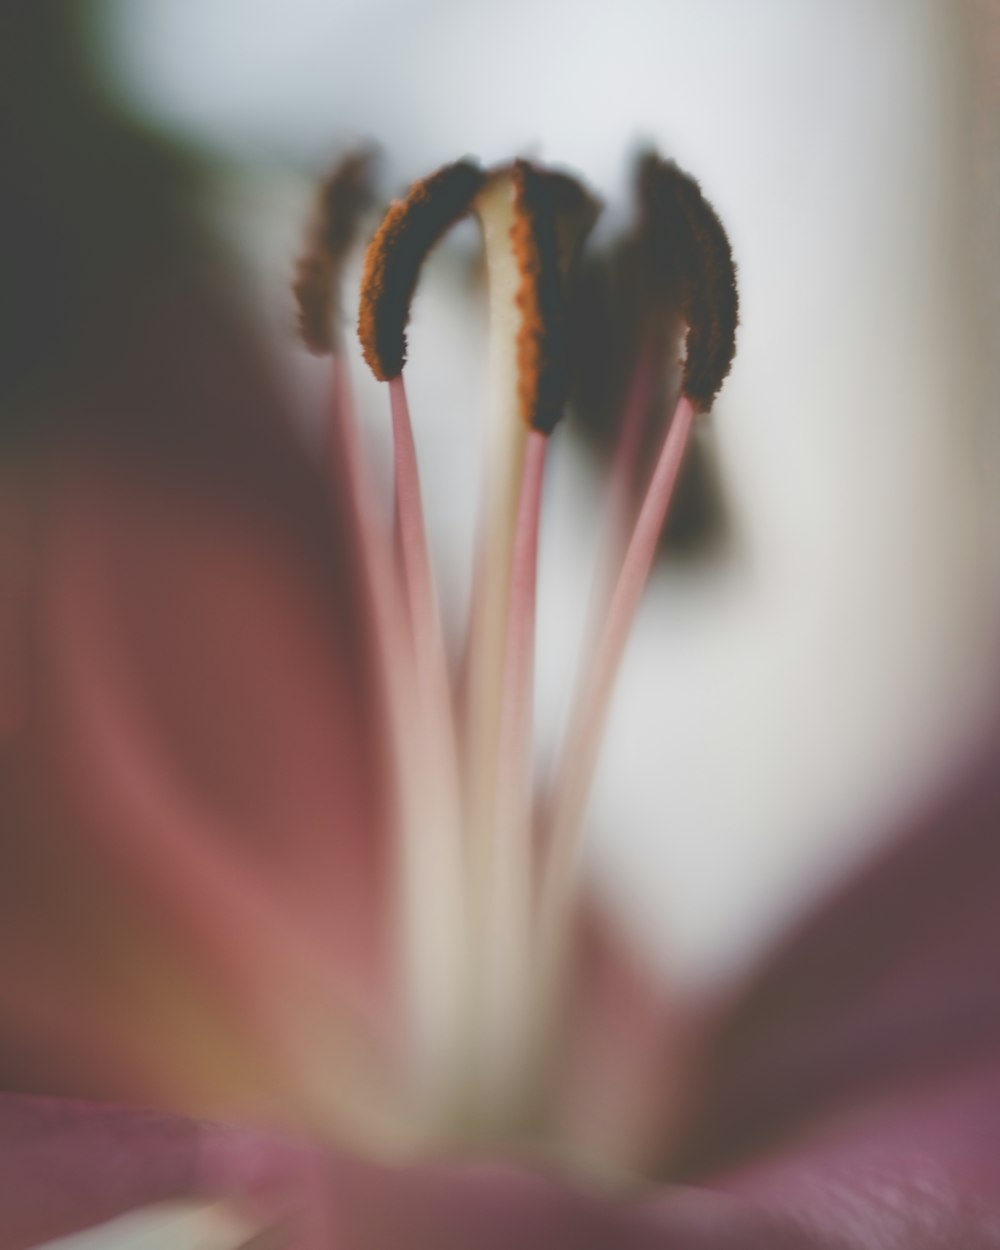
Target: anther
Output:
[(690, 270), (691, 261), (409, 230), (343, 198), (541, 340)]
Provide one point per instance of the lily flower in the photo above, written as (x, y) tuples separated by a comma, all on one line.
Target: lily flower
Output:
[(286, 922)]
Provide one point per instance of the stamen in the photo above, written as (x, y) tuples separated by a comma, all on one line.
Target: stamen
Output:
[(533, 223), (435, 920), (428, 643), (541, 339), (590, 711), (392, 264), (429, 904), (623, 469), (690, 256), (341, 201), (343, 198), (407, 636), (395, 255), (485, 910)]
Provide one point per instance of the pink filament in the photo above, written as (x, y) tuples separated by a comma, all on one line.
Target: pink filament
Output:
[(349, 472), (590, 713), (633, 413), (425, 621)]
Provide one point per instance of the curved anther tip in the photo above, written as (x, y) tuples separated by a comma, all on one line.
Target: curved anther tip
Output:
[(410, 229), (544, 202), (691, 261), (343, 197)]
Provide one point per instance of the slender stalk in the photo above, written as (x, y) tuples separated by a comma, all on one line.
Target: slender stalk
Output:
[(627, 449), (587, 723), (430, 906), (343, 447), (410, 528), (620, 510), (425, 618), (350, 475)]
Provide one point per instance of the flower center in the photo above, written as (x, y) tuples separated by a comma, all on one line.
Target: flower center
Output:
[(487, 870)]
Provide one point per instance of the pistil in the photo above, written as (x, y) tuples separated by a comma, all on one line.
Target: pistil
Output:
[(542, 388), (489, 613)]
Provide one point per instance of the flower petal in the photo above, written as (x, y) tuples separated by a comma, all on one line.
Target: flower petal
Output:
[(890, 986), (917, 1171), (918, 1175), (192, 718), (65, 1166), (493, 1206), (912, 1174)]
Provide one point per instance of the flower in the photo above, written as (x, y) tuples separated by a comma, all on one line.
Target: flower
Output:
[(174, 624)]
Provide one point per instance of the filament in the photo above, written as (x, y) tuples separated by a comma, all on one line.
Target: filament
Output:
[(586, 727)]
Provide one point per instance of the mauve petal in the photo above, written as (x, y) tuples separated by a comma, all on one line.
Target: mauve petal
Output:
[(890, 987), (486, 1206), (493, 1206), (913, 1173), (176, 527), (65, 1166), (919, 1170)]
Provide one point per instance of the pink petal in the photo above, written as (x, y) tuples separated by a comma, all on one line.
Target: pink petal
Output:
[(179, 574), (915, 1173), (919, 1171), (65, 1166), (494, 1206), (892, 985)]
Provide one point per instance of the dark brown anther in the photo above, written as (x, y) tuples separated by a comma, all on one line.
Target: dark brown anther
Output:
[(575, 209), (342, 200), (691, 266), (409, 230), (541, 342)]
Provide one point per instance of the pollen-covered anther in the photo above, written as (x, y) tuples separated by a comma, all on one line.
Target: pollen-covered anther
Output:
[(691, 261), (409, 230), (541, 343), (343, 197)]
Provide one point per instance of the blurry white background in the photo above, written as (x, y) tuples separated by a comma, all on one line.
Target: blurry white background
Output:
[(778, 706)]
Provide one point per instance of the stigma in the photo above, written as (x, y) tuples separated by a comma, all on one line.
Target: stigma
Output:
[(487, 869)]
